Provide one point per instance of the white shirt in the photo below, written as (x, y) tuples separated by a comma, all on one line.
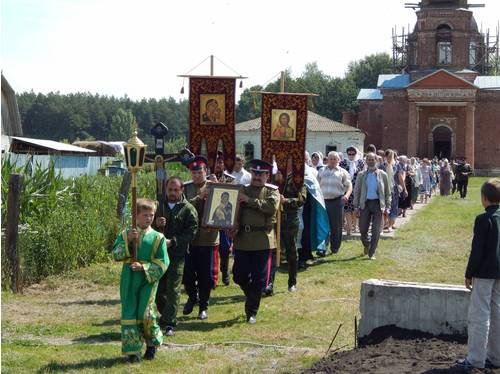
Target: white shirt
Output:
[(334, 182), (242, 176)]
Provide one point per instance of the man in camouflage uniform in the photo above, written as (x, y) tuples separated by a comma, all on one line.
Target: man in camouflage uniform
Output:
[(201, 267), (255, 239), (179, 223), (291, 200)]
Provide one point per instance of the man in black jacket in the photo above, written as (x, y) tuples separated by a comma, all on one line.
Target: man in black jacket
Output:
[(483, 278), (179, 224)]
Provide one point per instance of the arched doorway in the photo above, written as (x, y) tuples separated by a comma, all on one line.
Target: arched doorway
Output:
[(442, 139)]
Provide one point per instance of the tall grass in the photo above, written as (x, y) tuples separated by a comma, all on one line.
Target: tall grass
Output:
[(66, 224)]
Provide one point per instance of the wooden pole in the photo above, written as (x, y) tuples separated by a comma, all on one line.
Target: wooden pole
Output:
[(122, 195), (13, 205), (278, 236), (211, 65), (133, 252), (282, 82)]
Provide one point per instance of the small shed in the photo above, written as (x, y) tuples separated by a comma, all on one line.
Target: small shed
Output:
[(46, 147)]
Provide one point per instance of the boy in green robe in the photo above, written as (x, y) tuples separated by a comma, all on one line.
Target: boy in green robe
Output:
[(139, 281)]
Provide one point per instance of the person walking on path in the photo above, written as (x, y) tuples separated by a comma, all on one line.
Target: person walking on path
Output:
[(179, 224), (372, 199), (201, 266), (353, 164), (445, 178), (335, 183), (138, 283), (255, 239), (464, 170), (482, 276)]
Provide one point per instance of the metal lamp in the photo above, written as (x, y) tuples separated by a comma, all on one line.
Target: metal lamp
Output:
[(135, 153)]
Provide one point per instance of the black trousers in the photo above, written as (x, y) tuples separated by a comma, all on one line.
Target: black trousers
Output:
[(462, 187), (251, 271), (200, 273), (335, 211), (224, 251)]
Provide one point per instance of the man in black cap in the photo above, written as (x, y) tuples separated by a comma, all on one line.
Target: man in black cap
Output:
[(255, 239), (200, 269)]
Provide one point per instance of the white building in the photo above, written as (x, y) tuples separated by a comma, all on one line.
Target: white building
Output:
[(323, 134)]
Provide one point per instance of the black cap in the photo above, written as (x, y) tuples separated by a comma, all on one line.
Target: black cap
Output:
[(260, 166), (197, 163)]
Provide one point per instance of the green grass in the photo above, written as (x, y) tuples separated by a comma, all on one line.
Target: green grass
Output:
[(70, 323)]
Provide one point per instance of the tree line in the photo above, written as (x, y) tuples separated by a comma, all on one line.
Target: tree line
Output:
[(85, 116)]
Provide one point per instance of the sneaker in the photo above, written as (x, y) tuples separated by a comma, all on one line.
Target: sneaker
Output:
[(169, 331), (320, 253), (372, 258), (292, 288), (188, 307), (268, 291), (150, 353), (252, 320), (203, 315), (134, 358), (225, 279)]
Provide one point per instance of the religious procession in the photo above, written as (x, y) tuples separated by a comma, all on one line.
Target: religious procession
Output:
[(339, 219)]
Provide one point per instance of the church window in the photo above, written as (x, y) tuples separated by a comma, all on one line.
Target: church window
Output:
[(444, 53), (472, 53)]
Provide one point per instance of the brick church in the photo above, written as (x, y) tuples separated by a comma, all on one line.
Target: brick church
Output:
[(443, 103)]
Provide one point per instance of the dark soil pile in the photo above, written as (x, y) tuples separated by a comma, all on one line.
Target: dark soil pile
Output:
[(393, 350)]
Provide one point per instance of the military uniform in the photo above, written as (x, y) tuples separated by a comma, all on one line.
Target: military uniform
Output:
[(201, 266), (294, 199), (255, 241), (180, 229)]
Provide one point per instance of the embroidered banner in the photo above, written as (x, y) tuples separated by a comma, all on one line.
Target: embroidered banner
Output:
[(212, 117), (283, 135)]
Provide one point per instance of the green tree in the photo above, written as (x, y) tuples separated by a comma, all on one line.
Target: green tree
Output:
[(365, 72), (121, 125)]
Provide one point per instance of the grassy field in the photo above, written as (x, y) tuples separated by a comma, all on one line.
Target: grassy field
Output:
[(71, 323)]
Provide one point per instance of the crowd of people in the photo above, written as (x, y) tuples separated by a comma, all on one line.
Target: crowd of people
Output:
[(359, 192)]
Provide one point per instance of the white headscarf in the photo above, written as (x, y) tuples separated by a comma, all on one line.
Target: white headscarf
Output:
[(353, 165)]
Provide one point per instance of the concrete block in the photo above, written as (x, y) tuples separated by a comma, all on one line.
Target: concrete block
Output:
[(427, 307)]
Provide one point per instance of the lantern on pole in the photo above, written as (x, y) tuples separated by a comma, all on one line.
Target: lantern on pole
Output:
[(135, 153)]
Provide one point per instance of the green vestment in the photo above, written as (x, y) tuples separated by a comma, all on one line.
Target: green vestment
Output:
[(138, 289)]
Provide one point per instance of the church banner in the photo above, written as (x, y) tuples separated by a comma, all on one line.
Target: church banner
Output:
[(212, 117), (284, 121)]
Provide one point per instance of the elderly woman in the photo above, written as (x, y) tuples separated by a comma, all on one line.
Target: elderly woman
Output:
[(317, 161), (353, 164), (445, 178), (425, 186)]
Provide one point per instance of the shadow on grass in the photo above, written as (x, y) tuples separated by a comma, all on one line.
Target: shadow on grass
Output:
[(328, 259), (91, 302), (98, 363), (222, 300), (185, 325), (109, 322), (99, 338)]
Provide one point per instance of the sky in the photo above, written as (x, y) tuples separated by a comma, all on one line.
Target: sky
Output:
[(137, 48)]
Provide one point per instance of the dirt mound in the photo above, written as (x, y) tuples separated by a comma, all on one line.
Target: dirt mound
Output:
[(394, 350)]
